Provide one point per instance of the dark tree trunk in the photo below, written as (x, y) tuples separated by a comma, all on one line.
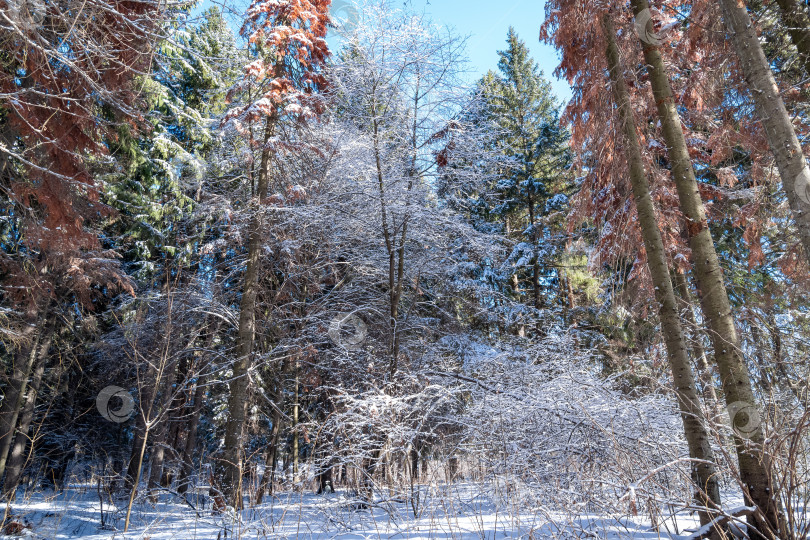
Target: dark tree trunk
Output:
[(452, 465), (135, 459), (17, 458), (325, 483), (191, 436), (180, 409), (415, 462), (271, 459), (370, 465), (14, 389), (194, 408), (56, 451), (161, 433)]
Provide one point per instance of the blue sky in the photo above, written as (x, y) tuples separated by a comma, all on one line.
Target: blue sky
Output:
[(486, 27)]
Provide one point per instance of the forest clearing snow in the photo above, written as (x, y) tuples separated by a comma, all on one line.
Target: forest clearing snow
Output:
[(458, 511)]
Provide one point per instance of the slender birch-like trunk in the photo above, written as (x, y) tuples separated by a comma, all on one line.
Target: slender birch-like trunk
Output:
[(771, 109), (754, 466), (694, 424)]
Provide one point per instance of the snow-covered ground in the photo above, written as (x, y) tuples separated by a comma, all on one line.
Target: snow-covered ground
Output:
[(460, 511)]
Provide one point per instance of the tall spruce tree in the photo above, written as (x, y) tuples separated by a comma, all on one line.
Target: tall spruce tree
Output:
[(160, 169), (520, 103)]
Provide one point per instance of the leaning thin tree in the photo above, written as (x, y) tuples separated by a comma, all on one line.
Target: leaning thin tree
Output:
[(779, 130), (753, 462), (694, 422)]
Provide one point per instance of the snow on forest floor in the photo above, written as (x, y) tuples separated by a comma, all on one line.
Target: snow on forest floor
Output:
[(459, 511)]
